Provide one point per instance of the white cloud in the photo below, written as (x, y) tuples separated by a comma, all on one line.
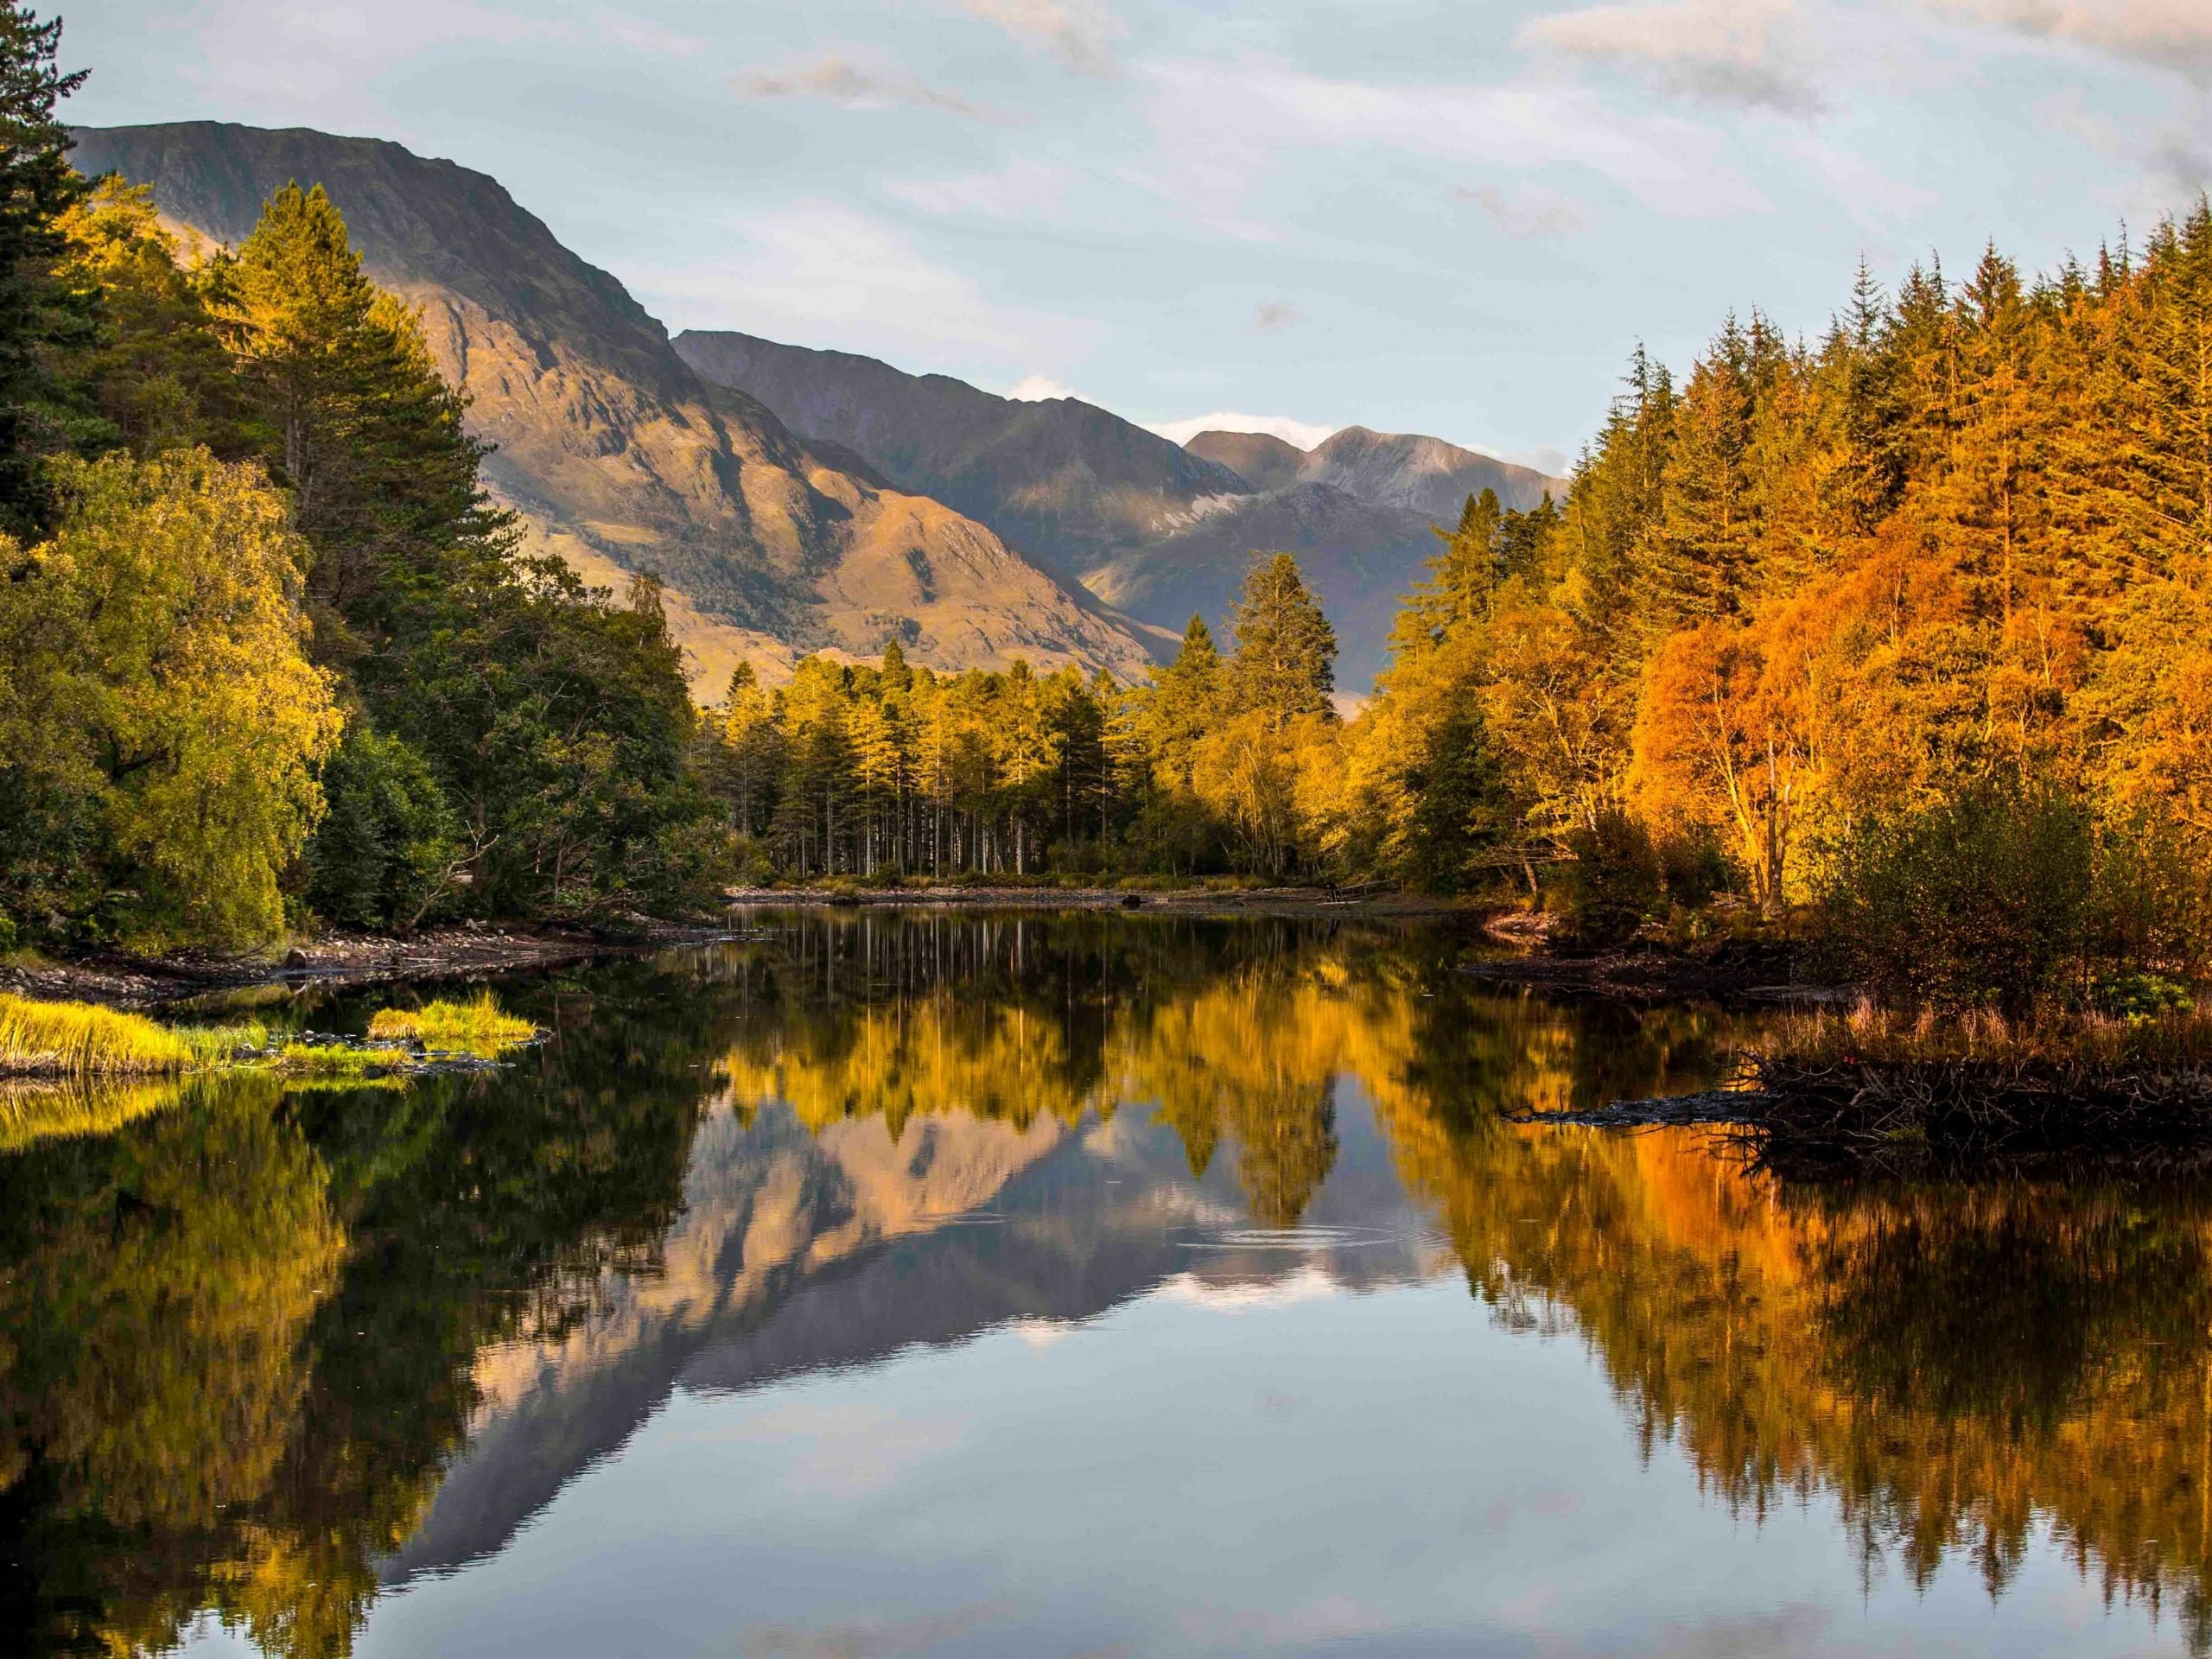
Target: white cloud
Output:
[(1870, 196), (1038, 389), (1273, 315), (1080, 33), (2172, 163), (1302, 435), (1530, 212), (1730, 51), (850, 85), (819, 271), (2168, 34), (1022, 190), (1222, 128), (1548, 459)]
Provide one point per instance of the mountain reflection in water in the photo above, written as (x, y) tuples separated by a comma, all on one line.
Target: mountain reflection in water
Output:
[(377, 1371)]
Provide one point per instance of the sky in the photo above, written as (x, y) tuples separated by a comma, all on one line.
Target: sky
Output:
[(1457, 218)]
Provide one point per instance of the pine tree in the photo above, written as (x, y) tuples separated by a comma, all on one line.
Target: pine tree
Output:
[(40, 311), (1286, 655)]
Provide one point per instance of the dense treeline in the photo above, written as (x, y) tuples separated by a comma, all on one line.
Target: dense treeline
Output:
[(1215, 764), (1903, 631), (1910, 624), (267, 651)]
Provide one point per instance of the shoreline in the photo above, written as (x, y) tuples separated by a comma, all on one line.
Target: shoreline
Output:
[(340, 962), (349, 961), (1294, 902)]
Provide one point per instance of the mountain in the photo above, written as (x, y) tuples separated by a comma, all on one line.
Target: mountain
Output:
[(1064, 481), (1425, 475), (1389, 469), (618, 456), (1358, 558), (1156, 530), (1262, 459)]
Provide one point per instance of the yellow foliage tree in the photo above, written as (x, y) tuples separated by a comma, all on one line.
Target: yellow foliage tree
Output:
[(156, 671)]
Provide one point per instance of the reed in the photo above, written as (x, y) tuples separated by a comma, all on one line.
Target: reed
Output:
[(1980, 1093), (80, 1039), (479, 1026)]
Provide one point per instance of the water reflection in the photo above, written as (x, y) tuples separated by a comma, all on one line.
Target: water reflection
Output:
[(272, 1357)]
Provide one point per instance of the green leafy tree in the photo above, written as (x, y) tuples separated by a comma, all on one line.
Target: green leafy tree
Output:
[(157, 678)]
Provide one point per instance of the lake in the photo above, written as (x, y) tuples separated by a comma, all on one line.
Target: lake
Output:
[(900, 1283)]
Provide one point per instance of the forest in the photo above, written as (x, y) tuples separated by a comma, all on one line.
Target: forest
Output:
[(1896, 637)]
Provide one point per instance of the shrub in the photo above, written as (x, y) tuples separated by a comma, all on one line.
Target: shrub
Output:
[(1992, 899), (388, 842), (1613, 884)]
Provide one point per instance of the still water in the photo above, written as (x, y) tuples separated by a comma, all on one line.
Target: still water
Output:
[(887, 1285)]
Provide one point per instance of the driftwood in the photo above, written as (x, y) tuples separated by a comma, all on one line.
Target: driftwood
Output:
[(1714, 1106)]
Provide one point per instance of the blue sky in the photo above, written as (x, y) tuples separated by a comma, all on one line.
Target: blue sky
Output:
[(1454, 218)]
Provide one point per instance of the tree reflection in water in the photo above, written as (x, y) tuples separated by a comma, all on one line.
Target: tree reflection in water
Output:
[(240, 1339)]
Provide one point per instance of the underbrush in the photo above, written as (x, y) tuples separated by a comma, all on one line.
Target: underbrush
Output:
[(1869, 1032)]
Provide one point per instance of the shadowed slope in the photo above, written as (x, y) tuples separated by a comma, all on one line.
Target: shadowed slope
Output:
[(1064, 481)]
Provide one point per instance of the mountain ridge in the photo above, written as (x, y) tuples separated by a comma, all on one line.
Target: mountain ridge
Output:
[(1063, 480), (1157, 530), (619, 457)]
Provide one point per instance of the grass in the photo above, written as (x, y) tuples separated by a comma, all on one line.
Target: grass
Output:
[(79, 1039), (1977, 1093), (479, 1026), (1870, 1033)]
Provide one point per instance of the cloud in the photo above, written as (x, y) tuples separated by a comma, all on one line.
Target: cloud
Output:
[(1275, 315), (1022, 190), (1531, 213), (1080, 33), (1224, 127), (846, 83), (1038, 388), (818, 271), (2168, 34), (2174, 162), (1725, 51), (1301, 434)]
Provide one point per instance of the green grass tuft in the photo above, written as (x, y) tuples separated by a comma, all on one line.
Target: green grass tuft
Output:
[(477, 1027)]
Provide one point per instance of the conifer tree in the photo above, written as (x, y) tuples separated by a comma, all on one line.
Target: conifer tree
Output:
[(40, 309), (1286, 658)]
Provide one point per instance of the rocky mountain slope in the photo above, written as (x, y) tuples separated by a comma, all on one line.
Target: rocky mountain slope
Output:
[(1158, 531), (1358, 558), (1064, 481), (1392, 469), (621, 457), (1424, 475)]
